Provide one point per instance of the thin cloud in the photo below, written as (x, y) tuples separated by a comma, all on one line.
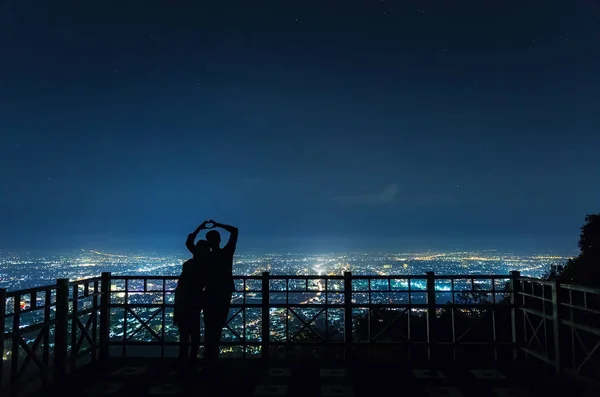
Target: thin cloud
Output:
[(388, 195)]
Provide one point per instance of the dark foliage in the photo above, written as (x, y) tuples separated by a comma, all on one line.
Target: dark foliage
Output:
[(585, 268)]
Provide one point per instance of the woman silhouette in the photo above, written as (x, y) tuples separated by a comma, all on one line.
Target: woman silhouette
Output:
[(188, 300)]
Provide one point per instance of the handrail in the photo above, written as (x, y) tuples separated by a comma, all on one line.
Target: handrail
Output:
[(75, 318), (581, 288), (535, 280)]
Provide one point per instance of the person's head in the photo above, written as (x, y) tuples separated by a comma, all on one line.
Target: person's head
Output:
[(202, 248), (214, 239)]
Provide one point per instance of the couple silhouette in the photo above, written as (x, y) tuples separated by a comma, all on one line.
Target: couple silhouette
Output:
[(205, 285)]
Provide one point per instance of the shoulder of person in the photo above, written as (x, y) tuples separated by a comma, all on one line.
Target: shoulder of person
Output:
[(188, 263)]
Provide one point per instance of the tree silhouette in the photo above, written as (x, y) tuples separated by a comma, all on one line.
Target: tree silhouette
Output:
[(585, 268), (555, 270), (474, 297)]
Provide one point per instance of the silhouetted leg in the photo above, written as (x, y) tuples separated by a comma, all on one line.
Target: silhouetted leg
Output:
[(184, 339), (215, 317), (195, 345), (193, 324), (212, 333)]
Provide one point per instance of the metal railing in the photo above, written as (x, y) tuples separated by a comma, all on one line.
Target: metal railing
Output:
[(47, 332), (560, 325), (331, 312)]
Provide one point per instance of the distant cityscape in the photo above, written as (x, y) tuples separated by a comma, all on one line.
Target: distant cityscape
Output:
[(22, 271)]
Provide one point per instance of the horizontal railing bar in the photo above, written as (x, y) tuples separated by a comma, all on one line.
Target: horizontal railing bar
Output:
[(535, 281), (288, 343), (274, 305), (90, 295), (581, 327), (425, 305), (174, 343), (294, 291), (84, 281), (469, 277), (422, 291), (581, 288), (536, 313), (256, 291), (137, 292), (354, 277), (29, 328), (333, 343), (31, 309), (21, 292), (280, 277), (580, 308), (415, 291), (298, 277), (534, 296)]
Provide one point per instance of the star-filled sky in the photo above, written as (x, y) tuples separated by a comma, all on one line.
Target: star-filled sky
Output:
[(343, 124)]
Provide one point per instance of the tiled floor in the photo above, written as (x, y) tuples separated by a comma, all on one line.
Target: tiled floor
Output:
[(252, 378)]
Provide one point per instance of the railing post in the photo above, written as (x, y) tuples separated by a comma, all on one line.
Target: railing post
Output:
[(60, 333), (73, 341), (266, 321), (556, 324), (2, 325), (348, 337), (431, 315), (515, 288), (14, 354), (104, 314)]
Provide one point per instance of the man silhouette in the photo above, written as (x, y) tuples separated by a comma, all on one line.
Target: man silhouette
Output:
[(217, 295)]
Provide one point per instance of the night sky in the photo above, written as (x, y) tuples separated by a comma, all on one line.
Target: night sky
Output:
[(309, 124)]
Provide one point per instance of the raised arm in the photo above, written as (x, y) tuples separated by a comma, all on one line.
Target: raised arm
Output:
[(233, 233), (191, 238)]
